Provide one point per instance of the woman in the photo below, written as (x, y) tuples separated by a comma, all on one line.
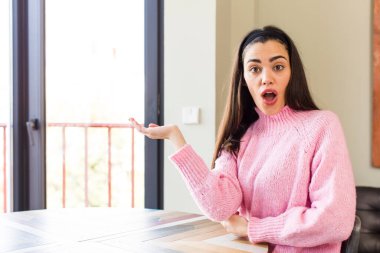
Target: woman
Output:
[(282, 172)]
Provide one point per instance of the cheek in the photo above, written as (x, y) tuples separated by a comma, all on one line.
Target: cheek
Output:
[(254, 91), (285, 87), (252, 87), (246, 78), (287, 79)]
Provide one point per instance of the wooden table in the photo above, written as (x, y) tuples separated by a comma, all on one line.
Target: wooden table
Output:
[(116, 230)]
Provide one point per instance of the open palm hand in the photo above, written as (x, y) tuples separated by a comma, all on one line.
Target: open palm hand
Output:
[(153, 131)]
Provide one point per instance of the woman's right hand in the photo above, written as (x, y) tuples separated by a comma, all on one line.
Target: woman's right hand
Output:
[(153, 131), (237, 225)]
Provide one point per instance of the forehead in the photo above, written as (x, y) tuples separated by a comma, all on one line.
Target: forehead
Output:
[(264, 51)]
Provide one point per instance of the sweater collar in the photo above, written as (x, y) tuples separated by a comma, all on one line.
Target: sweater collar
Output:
[(276, 122)]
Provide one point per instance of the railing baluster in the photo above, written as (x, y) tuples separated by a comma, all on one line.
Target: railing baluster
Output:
[(133, 167), (86, 165), (5, 168), (64, 166), (109, 168)]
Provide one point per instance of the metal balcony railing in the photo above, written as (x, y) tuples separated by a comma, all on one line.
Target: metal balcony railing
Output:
[(85, 127)]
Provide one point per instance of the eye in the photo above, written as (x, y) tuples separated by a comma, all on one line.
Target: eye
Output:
[(278, 67), (255, 69)]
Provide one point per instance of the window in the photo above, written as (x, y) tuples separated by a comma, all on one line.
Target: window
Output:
[(84, 55), (94, 83)]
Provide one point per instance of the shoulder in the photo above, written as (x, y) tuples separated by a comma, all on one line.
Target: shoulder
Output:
[(319, 120), (319, 116), (318, 126)]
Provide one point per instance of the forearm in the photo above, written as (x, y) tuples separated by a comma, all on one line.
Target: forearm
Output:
[(302, 227), (218, 195), (216, 192), (328, 219)]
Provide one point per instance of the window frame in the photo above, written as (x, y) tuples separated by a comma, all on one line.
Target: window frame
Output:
[(154, 90), (28, 103)]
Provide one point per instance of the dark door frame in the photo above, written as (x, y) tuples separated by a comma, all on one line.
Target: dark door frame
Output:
[(28, 145), (154, 79)]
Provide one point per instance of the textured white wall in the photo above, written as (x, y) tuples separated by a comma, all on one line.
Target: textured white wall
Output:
[(189, 81)]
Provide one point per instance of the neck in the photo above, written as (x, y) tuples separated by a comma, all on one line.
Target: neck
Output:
[(275, 122)]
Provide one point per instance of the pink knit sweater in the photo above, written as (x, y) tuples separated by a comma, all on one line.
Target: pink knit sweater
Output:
[(292, 180)]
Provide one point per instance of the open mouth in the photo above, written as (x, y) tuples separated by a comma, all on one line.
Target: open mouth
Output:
[(269, 96)]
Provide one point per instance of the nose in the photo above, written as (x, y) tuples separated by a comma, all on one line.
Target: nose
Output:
[(266, 78)]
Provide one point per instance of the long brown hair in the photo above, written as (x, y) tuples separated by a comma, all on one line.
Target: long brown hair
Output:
[(239, 112)]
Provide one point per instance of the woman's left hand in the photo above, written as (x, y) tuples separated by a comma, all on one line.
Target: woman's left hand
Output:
[(237, 225)]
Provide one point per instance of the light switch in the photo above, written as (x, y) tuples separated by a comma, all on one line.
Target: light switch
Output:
[(190, 115)]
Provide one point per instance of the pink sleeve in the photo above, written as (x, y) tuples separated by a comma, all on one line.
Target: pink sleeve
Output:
[(331, 215), (217, 192)]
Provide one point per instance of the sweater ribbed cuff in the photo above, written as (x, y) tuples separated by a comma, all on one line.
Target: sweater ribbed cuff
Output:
[(265, 230), (191, 165)]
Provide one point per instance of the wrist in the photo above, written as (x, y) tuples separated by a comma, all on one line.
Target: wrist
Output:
[(176, 137)]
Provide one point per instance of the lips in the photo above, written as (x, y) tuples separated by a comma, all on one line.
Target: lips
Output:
[(269, 96)]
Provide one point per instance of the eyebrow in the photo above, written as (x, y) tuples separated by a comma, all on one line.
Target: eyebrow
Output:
[(270, 59)]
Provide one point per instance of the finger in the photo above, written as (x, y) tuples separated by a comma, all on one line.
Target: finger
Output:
[(132, 121), (153, 125), (224, 224), (137, 126)]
